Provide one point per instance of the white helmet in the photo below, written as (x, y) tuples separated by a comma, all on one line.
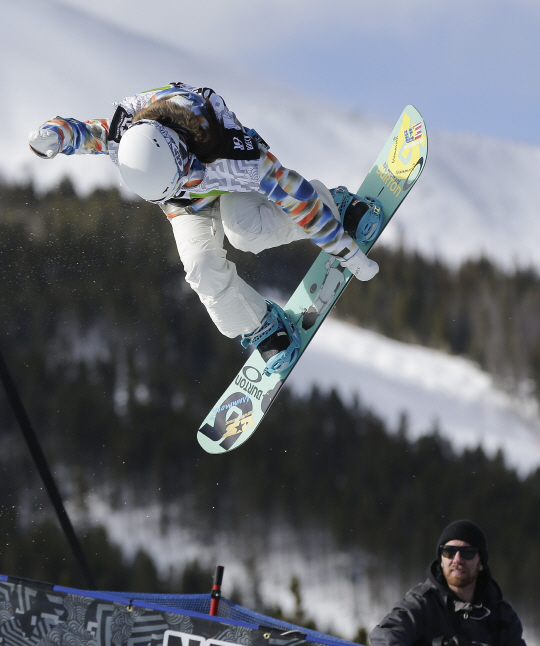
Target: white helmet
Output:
[(152, 160)]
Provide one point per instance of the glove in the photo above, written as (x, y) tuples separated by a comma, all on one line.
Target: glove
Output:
[(360, 265), (44, 142)]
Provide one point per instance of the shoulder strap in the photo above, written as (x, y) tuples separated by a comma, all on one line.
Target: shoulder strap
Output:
[(119, 124)]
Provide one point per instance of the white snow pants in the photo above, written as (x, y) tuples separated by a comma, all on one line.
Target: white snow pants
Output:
[(252, 223)]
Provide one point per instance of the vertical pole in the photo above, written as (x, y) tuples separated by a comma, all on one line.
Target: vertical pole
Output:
[(44, 471), (216, 590)]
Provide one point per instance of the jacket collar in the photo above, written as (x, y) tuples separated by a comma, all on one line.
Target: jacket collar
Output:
[(487, 591)]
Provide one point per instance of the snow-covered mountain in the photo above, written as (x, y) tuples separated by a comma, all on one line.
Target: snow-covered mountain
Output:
[(341, 590), (477, 195), (435, 390)]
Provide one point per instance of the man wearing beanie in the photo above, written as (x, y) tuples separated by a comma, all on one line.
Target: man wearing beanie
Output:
[(459, 604)]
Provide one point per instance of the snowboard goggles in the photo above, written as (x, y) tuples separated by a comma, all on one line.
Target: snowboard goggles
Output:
[(449, 551)]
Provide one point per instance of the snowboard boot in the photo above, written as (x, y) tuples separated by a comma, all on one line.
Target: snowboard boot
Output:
[(277, 339), (361, 217)]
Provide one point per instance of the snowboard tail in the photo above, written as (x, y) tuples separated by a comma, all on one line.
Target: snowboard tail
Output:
[(242, 407)]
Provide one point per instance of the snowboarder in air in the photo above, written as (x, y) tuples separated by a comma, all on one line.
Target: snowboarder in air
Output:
[(182, 148)]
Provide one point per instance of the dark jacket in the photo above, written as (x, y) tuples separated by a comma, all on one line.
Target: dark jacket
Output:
[(431, 611)]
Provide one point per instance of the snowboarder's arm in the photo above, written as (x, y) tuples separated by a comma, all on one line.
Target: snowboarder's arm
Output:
[(70, 136), (300, 201)]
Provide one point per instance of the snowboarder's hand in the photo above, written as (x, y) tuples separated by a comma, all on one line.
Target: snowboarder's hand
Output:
[(44, 142), (360, 265)]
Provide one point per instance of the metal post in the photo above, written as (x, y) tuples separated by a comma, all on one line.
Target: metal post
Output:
[(44, 471), (216, 590)]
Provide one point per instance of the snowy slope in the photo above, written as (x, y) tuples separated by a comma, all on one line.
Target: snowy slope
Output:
[(477, 195), (431, 387), (342, 590)]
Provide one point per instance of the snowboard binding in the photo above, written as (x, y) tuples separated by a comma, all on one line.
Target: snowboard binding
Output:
[(277, 339), (361, 217)]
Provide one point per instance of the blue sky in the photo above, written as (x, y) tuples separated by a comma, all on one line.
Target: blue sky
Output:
[(468, 65)]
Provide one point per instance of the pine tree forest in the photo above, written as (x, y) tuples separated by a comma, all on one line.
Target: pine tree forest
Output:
[(117, 364)]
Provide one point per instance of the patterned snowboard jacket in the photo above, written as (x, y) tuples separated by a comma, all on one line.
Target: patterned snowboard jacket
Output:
[(203, 183)]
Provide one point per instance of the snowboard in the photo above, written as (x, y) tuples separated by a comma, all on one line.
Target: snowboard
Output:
[(242, 407)]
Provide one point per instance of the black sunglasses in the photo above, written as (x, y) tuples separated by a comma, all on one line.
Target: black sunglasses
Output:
[(449, 551)]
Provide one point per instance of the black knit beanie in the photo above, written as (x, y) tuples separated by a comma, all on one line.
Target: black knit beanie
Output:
[(465, 530)]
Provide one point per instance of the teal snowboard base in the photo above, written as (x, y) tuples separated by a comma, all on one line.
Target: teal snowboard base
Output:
[(242, 407)]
